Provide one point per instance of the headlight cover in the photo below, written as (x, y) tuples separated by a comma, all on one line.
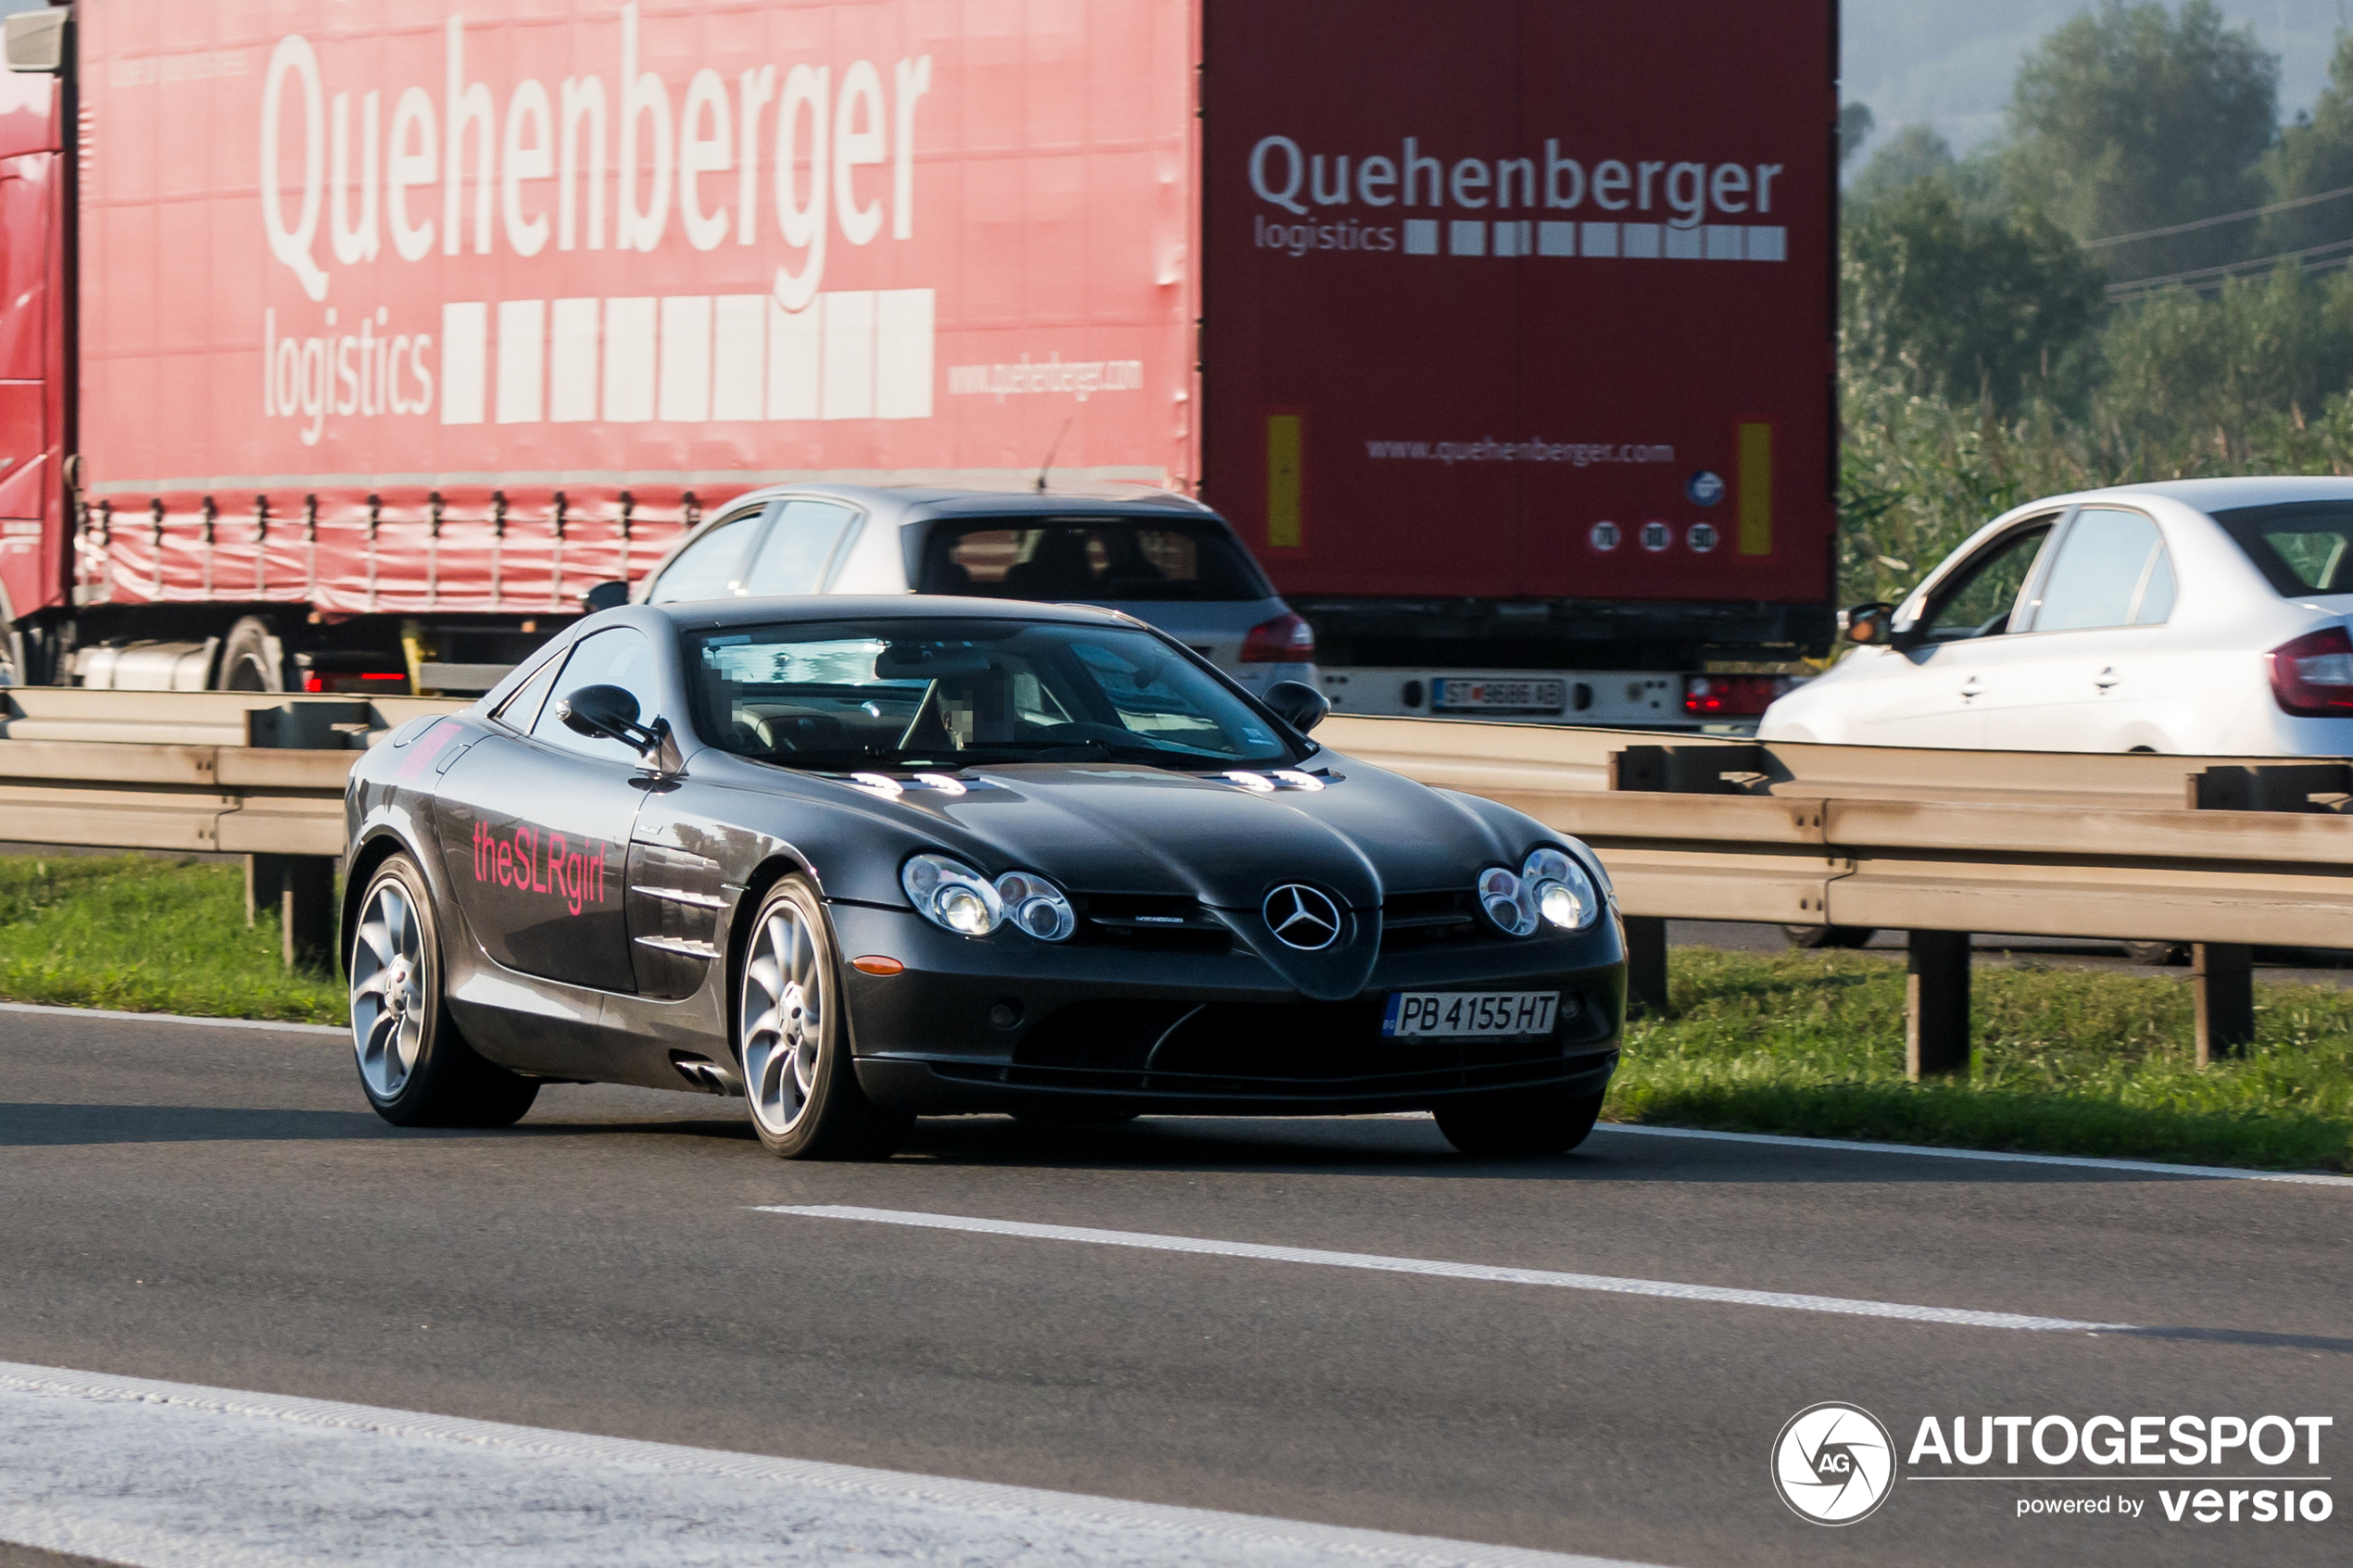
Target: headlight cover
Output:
[(952, 895), (1507, 901), (1559, 890), (1037, 907)]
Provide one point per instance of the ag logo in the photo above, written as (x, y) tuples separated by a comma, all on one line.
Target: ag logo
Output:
[(1833, 1463)]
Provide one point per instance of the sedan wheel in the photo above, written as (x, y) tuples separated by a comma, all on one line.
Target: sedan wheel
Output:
[(416, 1068), (805, 1101)]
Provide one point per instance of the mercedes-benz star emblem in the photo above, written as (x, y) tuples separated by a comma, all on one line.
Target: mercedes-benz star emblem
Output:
[(1300, 916)]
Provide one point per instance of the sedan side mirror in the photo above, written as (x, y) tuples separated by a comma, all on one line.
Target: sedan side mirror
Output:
[(1869, 625), (605, 596), (1298, 704)]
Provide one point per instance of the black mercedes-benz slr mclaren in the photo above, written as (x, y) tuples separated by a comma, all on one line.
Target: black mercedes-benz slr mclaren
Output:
[(860, 860)]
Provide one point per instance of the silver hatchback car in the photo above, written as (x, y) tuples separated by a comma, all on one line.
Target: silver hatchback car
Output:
[(1164, 559)]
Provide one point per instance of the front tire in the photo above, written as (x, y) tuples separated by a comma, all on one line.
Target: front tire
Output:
[(1521, 1125), (792, 1043), (415, 1067)]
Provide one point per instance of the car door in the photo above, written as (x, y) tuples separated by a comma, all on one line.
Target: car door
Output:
[(1934, 687), (2082, 675), (535, 823)]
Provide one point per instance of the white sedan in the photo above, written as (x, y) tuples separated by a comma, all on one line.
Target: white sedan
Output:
[(2203, 616)]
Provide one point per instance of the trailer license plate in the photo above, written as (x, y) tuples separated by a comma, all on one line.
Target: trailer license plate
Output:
[(1455, 695), (1423, 1014)]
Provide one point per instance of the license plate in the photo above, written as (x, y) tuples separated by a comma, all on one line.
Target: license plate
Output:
[(1456, 695), (1455, 1014)]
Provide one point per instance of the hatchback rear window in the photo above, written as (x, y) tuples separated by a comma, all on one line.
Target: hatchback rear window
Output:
[(1088, 558), (2301, 546)]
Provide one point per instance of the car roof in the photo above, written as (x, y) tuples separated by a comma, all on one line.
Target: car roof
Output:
[(909, 502), (2224, 495), (710, 614)]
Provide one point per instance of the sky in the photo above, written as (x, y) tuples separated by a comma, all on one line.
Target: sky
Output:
[(1950, 63)]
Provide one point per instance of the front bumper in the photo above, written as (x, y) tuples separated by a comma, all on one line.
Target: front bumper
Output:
[(1006, 1023)]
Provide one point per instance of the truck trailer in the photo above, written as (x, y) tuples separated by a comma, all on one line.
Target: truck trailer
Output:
[(346, 343)]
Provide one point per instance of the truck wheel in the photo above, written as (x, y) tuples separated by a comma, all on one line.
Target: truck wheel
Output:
[(1519, 1125), (794, 1043), (417, 1070), (1830, 936), (252, 658)]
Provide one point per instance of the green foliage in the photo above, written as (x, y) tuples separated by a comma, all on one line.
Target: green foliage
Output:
[(148, 935), (1812, 1044), (1940, 301), (2126, 119)]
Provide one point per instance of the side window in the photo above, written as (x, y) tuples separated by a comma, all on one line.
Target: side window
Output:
[(2105, 564), (710, 567), (618, 656), (797, 554), (1980, 599), (522, 711)]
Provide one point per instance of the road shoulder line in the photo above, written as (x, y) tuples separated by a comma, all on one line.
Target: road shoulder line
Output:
[(2084, 1161), (45, 1010)]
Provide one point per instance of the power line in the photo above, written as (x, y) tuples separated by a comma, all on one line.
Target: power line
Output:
[(2309, 259), (2225, 217)]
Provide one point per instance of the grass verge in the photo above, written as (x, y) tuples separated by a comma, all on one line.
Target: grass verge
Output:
[(148, 935), (2062, 1061)]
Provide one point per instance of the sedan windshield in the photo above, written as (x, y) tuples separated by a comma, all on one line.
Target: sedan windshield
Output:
[(949, 693)]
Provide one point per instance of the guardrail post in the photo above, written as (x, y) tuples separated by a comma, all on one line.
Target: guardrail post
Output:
[(1668, 769), (2222, 977), (2222, 974), (1645, 963), (302, 889), (1936, 1004)]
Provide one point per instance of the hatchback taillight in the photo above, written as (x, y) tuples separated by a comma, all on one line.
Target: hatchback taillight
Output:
[(1714, 696), (2314, 675), (1286, 639)]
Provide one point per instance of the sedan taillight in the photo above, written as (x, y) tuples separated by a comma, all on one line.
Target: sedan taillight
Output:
[(1286, 639), (2314, 675)]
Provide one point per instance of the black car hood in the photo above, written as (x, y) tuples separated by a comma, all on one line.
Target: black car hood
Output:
[(1106, 829)]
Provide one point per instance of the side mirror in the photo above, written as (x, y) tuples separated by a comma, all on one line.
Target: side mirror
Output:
[(605, 596), (1868, 625), (610, 713), (1298, 704)]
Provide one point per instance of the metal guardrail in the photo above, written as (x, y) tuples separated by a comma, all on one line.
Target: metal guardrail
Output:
[(2220, 852)]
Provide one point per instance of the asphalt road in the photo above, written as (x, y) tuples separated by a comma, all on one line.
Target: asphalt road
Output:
[(218, 1207)]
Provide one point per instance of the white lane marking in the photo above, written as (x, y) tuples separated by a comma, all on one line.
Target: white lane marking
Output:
[(335, 1029), (1904, 1311), (172, 1474), (2150, 1167)]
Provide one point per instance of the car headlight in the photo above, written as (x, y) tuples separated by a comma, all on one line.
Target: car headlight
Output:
[(1559, 888), (1507, 901), (1037, 905), (952, 895)]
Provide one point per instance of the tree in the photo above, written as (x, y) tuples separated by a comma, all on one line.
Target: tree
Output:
[(1855, 126), (1914, 153), (2127, 119), (1942, 300), (2316, 155)]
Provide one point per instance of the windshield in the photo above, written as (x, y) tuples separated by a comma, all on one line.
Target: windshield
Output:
[(1102, 560), (949, 693)]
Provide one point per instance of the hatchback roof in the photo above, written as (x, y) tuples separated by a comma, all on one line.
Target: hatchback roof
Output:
[(935, 500), (709, 614)]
